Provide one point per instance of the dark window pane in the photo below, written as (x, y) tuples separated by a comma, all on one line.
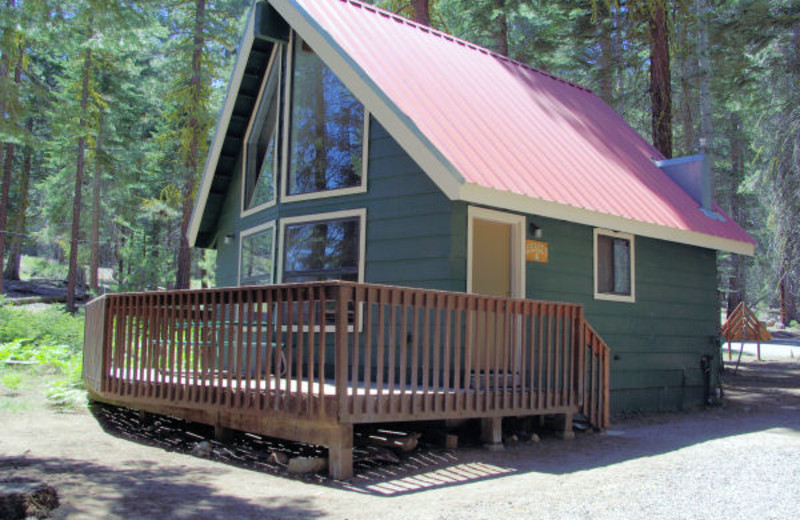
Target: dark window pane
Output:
[(257, 258), (262, 144), (605, 264), (327, 127), (613, 265), (324, 250)]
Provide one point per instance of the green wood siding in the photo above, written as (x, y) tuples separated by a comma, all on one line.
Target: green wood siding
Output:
[(415, 236), (656, 342)]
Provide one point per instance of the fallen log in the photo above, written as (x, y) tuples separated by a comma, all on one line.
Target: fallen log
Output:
[(389, 439)]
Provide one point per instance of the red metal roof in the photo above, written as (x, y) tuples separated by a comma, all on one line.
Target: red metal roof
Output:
[(509, 127)]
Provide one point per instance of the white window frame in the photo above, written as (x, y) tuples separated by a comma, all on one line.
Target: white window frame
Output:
[(608, 296), (252, 231), (274, 61), (287, 122), (361, 213)]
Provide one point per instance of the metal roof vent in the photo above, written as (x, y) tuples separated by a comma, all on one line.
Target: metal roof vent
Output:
[(693, 174)]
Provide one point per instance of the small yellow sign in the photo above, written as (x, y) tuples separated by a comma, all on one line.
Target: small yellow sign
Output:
[(536, 251)]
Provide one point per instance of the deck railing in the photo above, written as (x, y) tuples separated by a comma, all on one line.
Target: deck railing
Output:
[(347, 352)]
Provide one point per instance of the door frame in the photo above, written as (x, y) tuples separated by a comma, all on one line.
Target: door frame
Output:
[(517, 223)]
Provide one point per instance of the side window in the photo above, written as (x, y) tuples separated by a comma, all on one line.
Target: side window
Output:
[(256, 255), (261, 142), (326, 130), (614, 266), (323, 247)]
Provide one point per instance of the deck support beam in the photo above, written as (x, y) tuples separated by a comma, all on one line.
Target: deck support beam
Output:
[(492, 433), (340, 452), (563, 427)]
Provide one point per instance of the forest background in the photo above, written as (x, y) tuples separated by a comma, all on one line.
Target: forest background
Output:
[(107, 109)]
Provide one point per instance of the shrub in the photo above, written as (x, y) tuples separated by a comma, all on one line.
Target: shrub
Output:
[(49, 325), (51, 341)]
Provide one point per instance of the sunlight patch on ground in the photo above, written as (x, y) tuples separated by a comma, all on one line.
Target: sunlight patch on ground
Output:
[(457, 474)]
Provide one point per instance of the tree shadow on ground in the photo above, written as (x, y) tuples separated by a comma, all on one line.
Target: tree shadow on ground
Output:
[(144, 491), (761, 396)]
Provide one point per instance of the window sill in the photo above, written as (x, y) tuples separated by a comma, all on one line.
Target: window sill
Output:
[(325, 194)]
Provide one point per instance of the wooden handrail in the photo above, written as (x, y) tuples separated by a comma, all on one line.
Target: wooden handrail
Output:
[(348, 352)]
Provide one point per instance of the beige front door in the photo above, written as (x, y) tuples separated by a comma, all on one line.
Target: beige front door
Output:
[(491, 258), (495, 268), (496, 248)]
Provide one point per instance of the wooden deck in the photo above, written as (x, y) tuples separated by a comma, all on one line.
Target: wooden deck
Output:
[(306, 362)]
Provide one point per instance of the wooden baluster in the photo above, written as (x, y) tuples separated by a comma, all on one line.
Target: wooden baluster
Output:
[(380, 344), (291, 327), (405, 304), (297, 380), (312, 346), (426, 350), (449, 305), (532, 348), (566, 356), (581, 355), (416, 306), (360, 386), (483, 373), (436, 349), (272, 346), (324, 295), (136, 344), (471, 340), (394, 300), (457, 349), (262, 347), (344, 294)]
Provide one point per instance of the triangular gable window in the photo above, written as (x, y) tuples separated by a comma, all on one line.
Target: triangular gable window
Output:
[(261, 157), (326, 130)]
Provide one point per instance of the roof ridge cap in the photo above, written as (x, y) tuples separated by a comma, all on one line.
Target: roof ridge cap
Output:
[(455, 39)]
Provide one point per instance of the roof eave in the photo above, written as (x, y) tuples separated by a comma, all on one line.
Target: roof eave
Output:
[(476, 194), (214, 151)]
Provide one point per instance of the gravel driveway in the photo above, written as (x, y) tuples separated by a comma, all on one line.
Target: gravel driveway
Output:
[(741, 461)]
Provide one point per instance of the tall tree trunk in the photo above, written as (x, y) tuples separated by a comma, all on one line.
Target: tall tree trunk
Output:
[(500, 33), (94, 241), (687, 69), (184, 271), (605, 61), (706, 115), (660, 86), (8, 159), (72, 275), (737, 281), (421, 11), (17, 238)]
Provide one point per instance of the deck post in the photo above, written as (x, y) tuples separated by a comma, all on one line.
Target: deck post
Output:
[(340, 452), (564, 427), (492, 433)]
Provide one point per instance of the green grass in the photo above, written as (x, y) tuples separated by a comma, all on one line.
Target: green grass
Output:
[(40, 351), (11, 380)]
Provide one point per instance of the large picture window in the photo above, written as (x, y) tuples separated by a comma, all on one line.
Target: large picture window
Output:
[(614, 266), (323, 247), (326, 130), (256, 254), (261, 142)]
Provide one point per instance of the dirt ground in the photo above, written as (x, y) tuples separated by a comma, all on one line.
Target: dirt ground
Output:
[(741, 460)]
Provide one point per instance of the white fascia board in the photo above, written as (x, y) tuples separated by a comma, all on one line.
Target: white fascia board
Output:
[(514, 202), (397, 123), (214, 151)]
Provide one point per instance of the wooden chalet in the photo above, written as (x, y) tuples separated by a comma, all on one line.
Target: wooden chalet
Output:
[(400, 218)]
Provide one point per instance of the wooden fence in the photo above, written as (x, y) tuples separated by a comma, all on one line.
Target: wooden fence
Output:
[(345, 353)]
